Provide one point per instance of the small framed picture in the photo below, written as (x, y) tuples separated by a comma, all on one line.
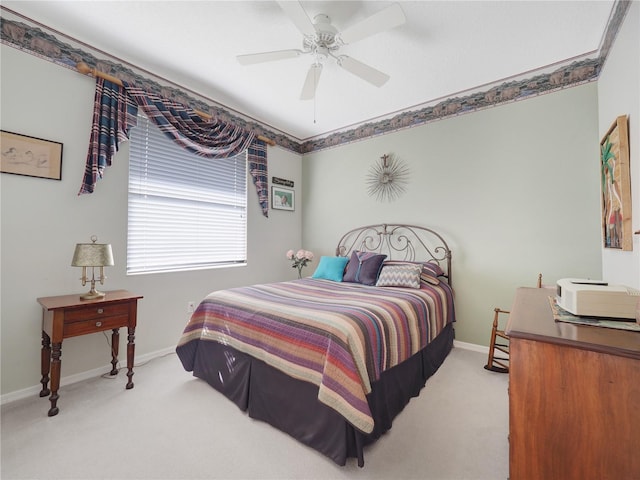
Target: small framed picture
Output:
[(283, 198), (30, 156)]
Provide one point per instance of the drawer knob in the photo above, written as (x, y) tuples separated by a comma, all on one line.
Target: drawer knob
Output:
[(98, 324), (100, 310)]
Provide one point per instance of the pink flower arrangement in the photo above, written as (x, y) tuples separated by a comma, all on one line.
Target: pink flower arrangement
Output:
[(299, 259)]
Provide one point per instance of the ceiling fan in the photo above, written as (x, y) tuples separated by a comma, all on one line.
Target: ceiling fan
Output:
[(322, 40)]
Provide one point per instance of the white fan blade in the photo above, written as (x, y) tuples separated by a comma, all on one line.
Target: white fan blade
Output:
[(298, 16), (311, 82), (365, 72), (252, 58), (385, 19)]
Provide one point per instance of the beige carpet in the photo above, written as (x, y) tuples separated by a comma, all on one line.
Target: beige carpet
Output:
[(173, 426)]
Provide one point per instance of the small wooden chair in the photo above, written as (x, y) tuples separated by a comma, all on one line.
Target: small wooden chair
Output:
[(498, 364), (500, 341)]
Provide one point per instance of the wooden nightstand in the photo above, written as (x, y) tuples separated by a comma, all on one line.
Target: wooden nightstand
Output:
[(67, 316)]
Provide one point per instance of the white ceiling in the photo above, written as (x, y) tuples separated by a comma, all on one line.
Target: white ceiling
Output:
[(444, 48)]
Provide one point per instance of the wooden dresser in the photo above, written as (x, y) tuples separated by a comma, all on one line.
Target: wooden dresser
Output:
[(574, 396)]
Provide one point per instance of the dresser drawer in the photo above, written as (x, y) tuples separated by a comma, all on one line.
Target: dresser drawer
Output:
[(91, 312), (95, 325)]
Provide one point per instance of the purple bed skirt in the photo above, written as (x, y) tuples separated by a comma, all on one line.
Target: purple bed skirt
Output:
[(292, 405)]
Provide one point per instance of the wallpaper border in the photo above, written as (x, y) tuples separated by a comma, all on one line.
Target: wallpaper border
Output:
[(44, 43)]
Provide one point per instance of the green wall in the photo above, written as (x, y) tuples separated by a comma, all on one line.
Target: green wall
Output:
[(514, 189), (619, 94)]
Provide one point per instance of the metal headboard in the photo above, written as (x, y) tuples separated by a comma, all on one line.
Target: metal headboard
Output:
[(399, 242)]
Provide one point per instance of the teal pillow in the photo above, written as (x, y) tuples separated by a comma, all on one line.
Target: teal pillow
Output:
[(331, 268)]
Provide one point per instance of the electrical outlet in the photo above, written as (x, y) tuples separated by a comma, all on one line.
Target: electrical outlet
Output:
[(191, 306)]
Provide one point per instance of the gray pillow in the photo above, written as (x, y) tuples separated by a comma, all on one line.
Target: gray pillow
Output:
[(363, 267)]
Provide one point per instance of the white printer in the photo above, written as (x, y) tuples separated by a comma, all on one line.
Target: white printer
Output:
[(592, 298)]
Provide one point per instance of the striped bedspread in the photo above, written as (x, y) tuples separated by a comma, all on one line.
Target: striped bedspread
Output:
[(338, 336)]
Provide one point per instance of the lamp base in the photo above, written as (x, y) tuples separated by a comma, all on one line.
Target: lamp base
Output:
[(92, 294)]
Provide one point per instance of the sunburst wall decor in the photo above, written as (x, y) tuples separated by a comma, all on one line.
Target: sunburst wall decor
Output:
[(387, 178)]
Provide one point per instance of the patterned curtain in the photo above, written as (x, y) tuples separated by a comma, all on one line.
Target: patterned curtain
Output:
[(114, 114), (205, 138), (257, 158)]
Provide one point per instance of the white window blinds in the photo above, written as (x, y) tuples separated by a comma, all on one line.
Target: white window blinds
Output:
[(185, 212)]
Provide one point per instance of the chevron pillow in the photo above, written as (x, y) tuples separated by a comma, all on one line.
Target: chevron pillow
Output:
[(430, 270), (405, 275)]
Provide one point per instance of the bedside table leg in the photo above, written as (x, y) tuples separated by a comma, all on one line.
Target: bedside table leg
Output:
[(45, 364), (115, 346), (131, 348), (55, 378)]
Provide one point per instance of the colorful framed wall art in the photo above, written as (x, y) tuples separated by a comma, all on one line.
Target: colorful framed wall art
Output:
[(616, 186)]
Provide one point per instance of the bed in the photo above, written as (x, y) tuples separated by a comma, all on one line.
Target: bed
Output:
[(333, 358)]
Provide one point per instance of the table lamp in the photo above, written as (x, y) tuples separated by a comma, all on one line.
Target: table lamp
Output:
[(92, 255)]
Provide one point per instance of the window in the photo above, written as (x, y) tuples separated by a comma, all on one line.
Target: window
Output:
[(185, 212)]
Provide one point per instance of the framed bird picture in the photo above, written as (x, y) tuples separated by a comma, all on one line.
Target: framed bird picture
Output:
[(616, 186)]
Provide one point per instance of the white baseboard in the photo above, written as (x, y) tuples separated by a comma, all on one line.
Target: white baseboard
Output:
[(79, 377), (141, 359), (471, 346)]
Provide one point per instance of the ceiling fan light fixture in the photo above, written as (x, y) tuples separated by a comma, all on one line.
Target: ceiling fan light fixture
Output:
[(322, 40), (321, 54)]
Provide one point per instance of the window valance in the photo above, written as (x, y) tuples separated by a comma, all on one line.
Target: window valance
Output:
[(115, 111)]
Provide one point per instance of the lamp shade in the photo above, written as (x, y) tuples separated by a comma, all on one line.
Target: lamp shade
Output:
[(92, 255)]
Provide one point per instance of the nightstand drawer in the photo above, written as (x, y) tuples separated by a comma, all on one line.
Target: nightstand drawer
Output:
[(96, 312), (95, 325)]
